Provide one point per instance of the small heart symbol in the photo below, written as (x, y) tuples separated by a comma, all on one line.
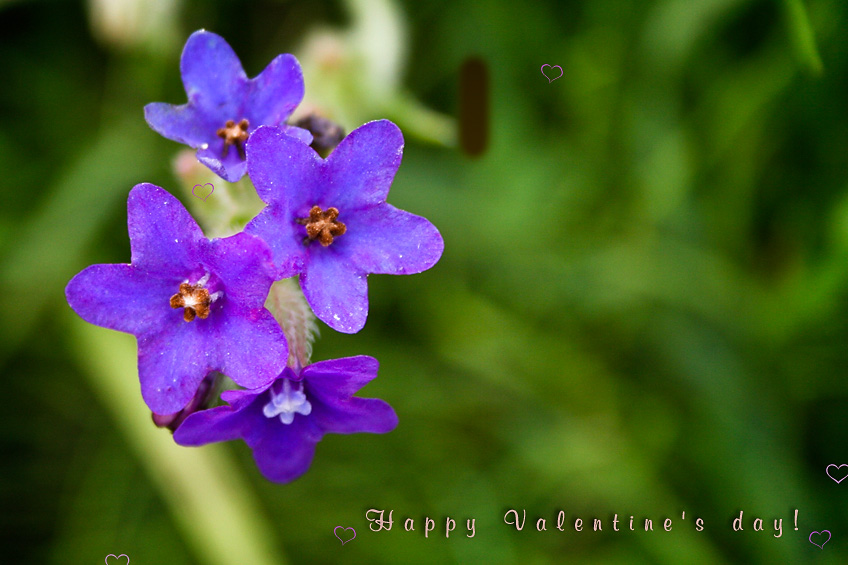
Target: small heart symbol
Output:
[(837, 467), (550, 80), (209, 184), (820, 534), (117, 560), (344, 541)]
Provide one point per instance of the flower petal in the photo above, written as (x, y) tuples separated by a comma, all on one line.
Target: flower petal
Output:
[(341, 378), (363, 166), (183, 124), (275, 92), (384, 239), (276, 226), (335, 289), (355, 415), (331, 384), (246, 260), (212, 73), (239, 398), (249, 346), (120, 297), (230, 168), (163, 235), (172, 362), (284, 170), (358, 173), (283, 452), (222, 423), (303, 135)]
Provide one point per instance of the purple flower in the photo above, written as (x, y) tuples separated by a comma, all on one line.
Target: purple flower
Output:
[(195, 305), (328, 220), (282, 422), (224, 106)]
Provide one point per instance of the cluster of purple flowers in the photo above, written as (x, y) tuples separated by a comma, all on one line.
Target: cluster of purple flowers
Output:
[(197, 306)]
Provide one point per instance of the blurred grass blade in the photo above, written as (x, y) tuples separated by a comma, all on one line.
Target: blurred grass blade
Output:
[(51, 242), (209, 500), (803, 38)]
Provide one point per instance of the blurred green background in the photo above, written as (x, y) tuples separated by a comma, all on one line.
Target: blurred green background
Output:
[(642, 308)]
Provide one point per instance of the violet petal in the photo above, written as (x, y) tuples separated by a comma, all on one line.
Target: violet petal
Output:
[(284, 170), (355, 415), (120, 297), (212, 73), (180, 123), (276, 226), (283, 452), (172, 363), (230, 167), (248, 345), (163, 235), (341, 377), (337, 293), (274, 93), (221, 423), (363, 166), (390, 241)]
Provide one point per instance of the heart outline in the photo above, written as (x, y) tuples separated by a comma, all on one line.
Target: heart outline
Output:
[(344, 529), (117, 557), (820, 533), (204, 199), (550, 80), (827, 471)]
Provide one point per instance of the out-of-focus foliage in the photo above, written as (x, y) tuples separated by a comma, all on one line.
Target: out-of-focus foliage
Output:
[(641, 309)]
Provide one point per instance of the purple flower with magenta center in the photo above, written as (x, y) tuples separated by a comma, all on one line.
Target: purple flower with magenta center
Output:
[(284, 421), (328, 219), (224, 106), (195, 305)]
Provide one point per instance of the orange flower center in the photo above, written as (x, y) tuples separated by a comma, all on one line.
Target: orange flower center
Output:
[(322, 225), (234, 134), (194, 299)]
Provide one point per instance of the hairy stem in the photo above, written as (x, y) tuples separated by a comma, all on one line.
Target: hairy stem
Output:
[(289, 307)]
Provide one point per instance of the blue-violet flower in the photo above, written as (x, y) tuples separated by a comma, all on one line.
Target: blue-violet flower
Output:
[(283, 422), (195, 305), (224, 106), (328, 220)]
